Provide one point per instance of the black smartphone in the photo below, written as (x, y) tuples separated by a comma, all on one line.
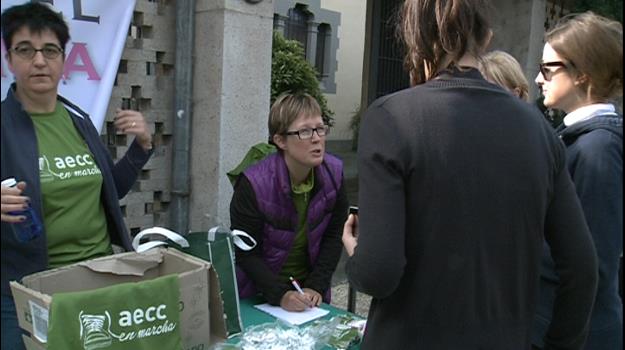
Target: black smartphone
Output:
[(353, 210)]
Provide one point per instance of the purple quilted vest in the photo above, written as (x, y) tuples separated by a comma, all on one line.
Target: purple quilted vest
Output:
[(271, 184)]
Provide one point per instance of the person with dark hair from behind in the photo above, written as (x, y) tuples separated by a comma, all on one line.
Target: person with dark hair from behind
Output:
[(580, 73), (80, 212), (503, 69), (459, 184)]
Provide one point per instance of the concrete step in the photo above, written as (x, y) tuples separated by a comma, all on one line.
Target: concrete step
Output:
[(339, 299)]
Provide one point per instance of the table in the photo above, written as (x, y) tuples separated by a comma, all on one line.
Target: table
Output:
[(252, 316)]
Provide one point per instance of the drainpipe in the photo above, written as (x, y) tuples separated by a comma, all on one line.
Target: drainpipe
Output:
[(179, 206), (535, 45)]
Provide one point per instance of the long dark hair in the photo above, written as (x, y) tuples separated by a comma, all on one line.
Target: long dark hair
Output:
[(433, 29)]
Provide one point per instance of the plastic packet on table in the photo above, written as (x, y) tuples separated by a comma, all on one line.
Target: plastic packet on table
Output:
[(339, 332), (274, 336)]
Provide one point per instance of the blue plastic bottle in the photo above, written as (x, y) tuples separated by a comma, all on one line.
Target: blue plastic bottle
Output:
[(30, 228)]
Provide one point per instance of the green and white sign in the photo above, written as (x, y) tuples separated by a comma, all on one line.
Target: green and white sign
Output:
[(126, 316)]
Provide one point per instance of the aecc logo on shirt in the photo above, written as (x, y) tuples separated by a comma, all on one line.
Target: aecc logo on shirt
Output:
[(66, 167)]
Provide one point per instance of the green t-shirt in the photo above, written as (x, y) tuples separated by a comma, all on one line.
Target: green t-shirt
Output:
[(71, 185), (297, 264)]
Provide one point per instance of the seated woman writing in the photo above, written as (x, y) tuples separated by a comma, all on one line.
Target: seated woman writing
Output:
[(293, 203)]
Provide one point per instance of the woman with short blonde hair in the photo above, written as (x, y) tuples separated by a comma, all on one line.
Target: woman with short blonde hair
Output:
[(293, 203), (503, 69)]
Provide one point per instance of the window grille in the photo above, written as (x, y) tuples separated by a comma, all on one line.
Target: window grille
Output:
[(323, 45), (391, 75), (296, 26)]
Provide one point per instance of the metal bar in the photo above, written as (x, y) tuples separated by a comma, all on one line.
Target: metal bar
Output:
[(351, 299), (185, 23)]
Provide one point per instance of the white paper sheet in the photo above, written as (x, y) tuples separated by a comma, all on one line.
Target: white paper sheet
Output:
[(294, 318)]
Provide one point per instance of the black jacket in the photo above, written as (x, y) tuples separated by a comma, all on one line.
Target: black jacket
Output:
[(595, 161), (20, 160), (460, 182)]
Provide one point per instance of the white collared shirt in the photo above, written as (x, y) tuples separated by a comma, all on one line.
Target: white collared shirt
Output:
[(588, 112)]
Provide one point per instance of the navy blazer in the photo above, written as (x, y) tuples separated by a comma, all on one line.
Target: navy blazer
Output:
[(20, 160)]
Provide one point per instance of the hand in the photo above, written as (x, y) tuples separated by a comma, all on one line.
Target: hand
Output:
[(133, 123), (294, 301), (350, 234), (314, 296), (12, 200)]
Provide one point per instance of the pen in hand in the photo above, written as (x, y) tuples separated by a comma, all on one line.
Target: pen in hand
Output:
[(297, 287)]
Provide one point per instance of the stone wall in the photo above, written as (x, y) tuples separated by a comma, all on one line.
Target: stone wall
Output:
[(145, 81), (518, 29), (232, 72), (231, 93)]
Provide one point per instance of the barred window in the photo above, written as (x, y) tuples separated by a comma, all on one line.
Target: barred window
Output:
[(324, 37), (296, 26)]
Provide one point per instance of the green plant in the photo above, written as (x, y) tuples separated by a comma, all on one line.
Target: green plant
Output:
[(290, 72), (608, 8)]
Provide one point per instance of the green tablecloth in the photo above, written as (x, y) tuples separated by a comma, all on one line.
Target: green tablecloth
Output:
[(252, 316)]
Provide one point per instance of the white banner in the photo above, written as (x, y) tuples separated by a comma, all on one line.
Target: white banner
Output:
[(98, 30)]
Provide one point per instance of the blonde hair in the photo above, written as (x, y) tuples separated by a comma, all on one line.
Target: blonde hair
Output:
[(501, 68), (435, 29), (593, 46), (287, 108)]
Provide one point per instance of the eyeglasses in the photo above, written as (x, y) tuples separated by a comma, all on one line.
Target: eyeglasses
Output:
[(548, 73), (28, 52), (307, 133)]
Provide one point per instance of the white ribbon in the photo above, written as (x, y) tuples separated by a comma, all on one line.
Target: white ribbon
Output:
[(236, 235), (160, 231), (236, 238)]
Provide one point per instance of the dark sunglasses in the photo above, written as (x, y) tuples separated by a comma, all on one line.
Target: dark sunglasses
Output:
[(547, 73)]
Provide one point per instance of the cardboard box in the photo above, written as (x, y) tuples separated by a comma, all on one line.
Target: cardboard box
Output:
[(201, 319)]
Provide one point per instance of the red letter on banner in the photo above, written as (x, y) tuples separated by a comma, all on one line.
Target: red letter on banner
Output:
[(79, 54)]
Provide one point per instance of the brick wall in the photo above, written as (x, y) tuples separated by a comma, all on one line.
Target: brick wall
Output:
[(145, 81)]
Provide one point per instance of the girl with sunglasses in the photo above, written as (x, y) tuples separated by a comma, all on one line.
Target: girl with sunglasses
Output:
[(582, 71)]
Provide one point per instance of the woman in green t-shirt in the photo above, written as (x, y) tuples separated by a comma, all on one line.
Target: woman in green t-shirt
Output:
[(64, 171)]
